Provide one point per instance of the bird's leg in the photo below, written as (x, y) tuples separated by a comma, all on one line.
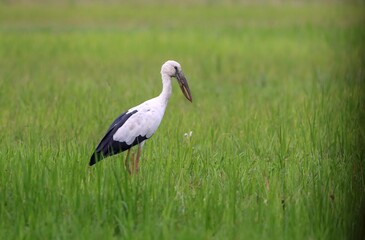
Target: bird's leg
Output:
[(136, 160), (138, 155), (134, 166), (126, 163)]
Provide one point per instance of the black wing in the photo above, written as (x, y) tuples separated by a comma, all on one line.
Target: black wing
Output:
[(108, 146)]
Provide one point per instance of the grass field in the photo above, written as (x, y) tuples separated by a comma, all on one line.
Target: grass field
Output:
[(277, 146)]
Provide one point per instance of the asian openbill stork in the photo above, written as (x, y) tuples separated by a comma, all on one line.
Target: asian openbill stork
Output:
[(139, 123)]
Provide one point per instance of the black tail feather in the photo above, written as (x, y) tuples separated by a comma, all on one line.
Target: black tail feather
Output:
[(92, 160)]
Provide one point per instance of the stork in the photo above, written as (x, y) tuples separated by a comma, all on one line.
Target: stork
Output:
[(139, 123)]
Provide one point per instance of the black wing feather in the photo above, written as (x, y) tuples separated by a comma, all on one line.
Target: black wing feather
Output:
[(108, 146)]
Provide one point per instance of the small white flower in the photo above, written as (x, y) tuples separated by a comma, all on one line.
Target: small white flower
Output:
[(188, 135)]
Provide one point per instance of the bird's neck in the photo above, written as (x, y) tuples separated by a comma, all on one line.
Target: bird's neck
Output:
[(166, 88)]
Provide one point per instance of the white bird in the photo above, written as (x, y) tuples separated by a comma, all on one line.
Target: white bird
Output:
[(139, 123)]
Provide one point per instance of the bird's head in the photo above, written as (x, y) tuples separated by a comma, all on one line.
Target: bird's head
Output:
[(173, 69)]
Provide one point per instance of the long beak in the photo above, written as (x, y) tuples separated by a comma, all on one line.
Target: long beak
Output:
[(184, 85)]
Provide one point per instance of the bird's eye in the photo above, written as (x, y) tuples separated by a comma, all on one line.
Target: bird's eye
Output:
[(175, 68)]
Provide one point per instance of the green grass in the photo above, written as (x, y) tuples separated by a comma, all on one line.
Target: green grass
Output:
[(277, 150)]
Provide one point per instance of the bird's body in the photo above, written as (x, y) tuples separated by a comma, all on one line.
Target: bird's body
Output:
[(139, 123), (130, 128)]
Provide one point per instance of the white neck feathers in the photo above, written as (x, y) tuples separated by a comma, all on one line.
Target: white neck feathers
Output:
[(166, 88)]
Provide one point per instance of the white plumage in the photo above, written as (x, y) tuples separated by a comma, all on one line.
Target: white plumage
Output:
[(141, 122)]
